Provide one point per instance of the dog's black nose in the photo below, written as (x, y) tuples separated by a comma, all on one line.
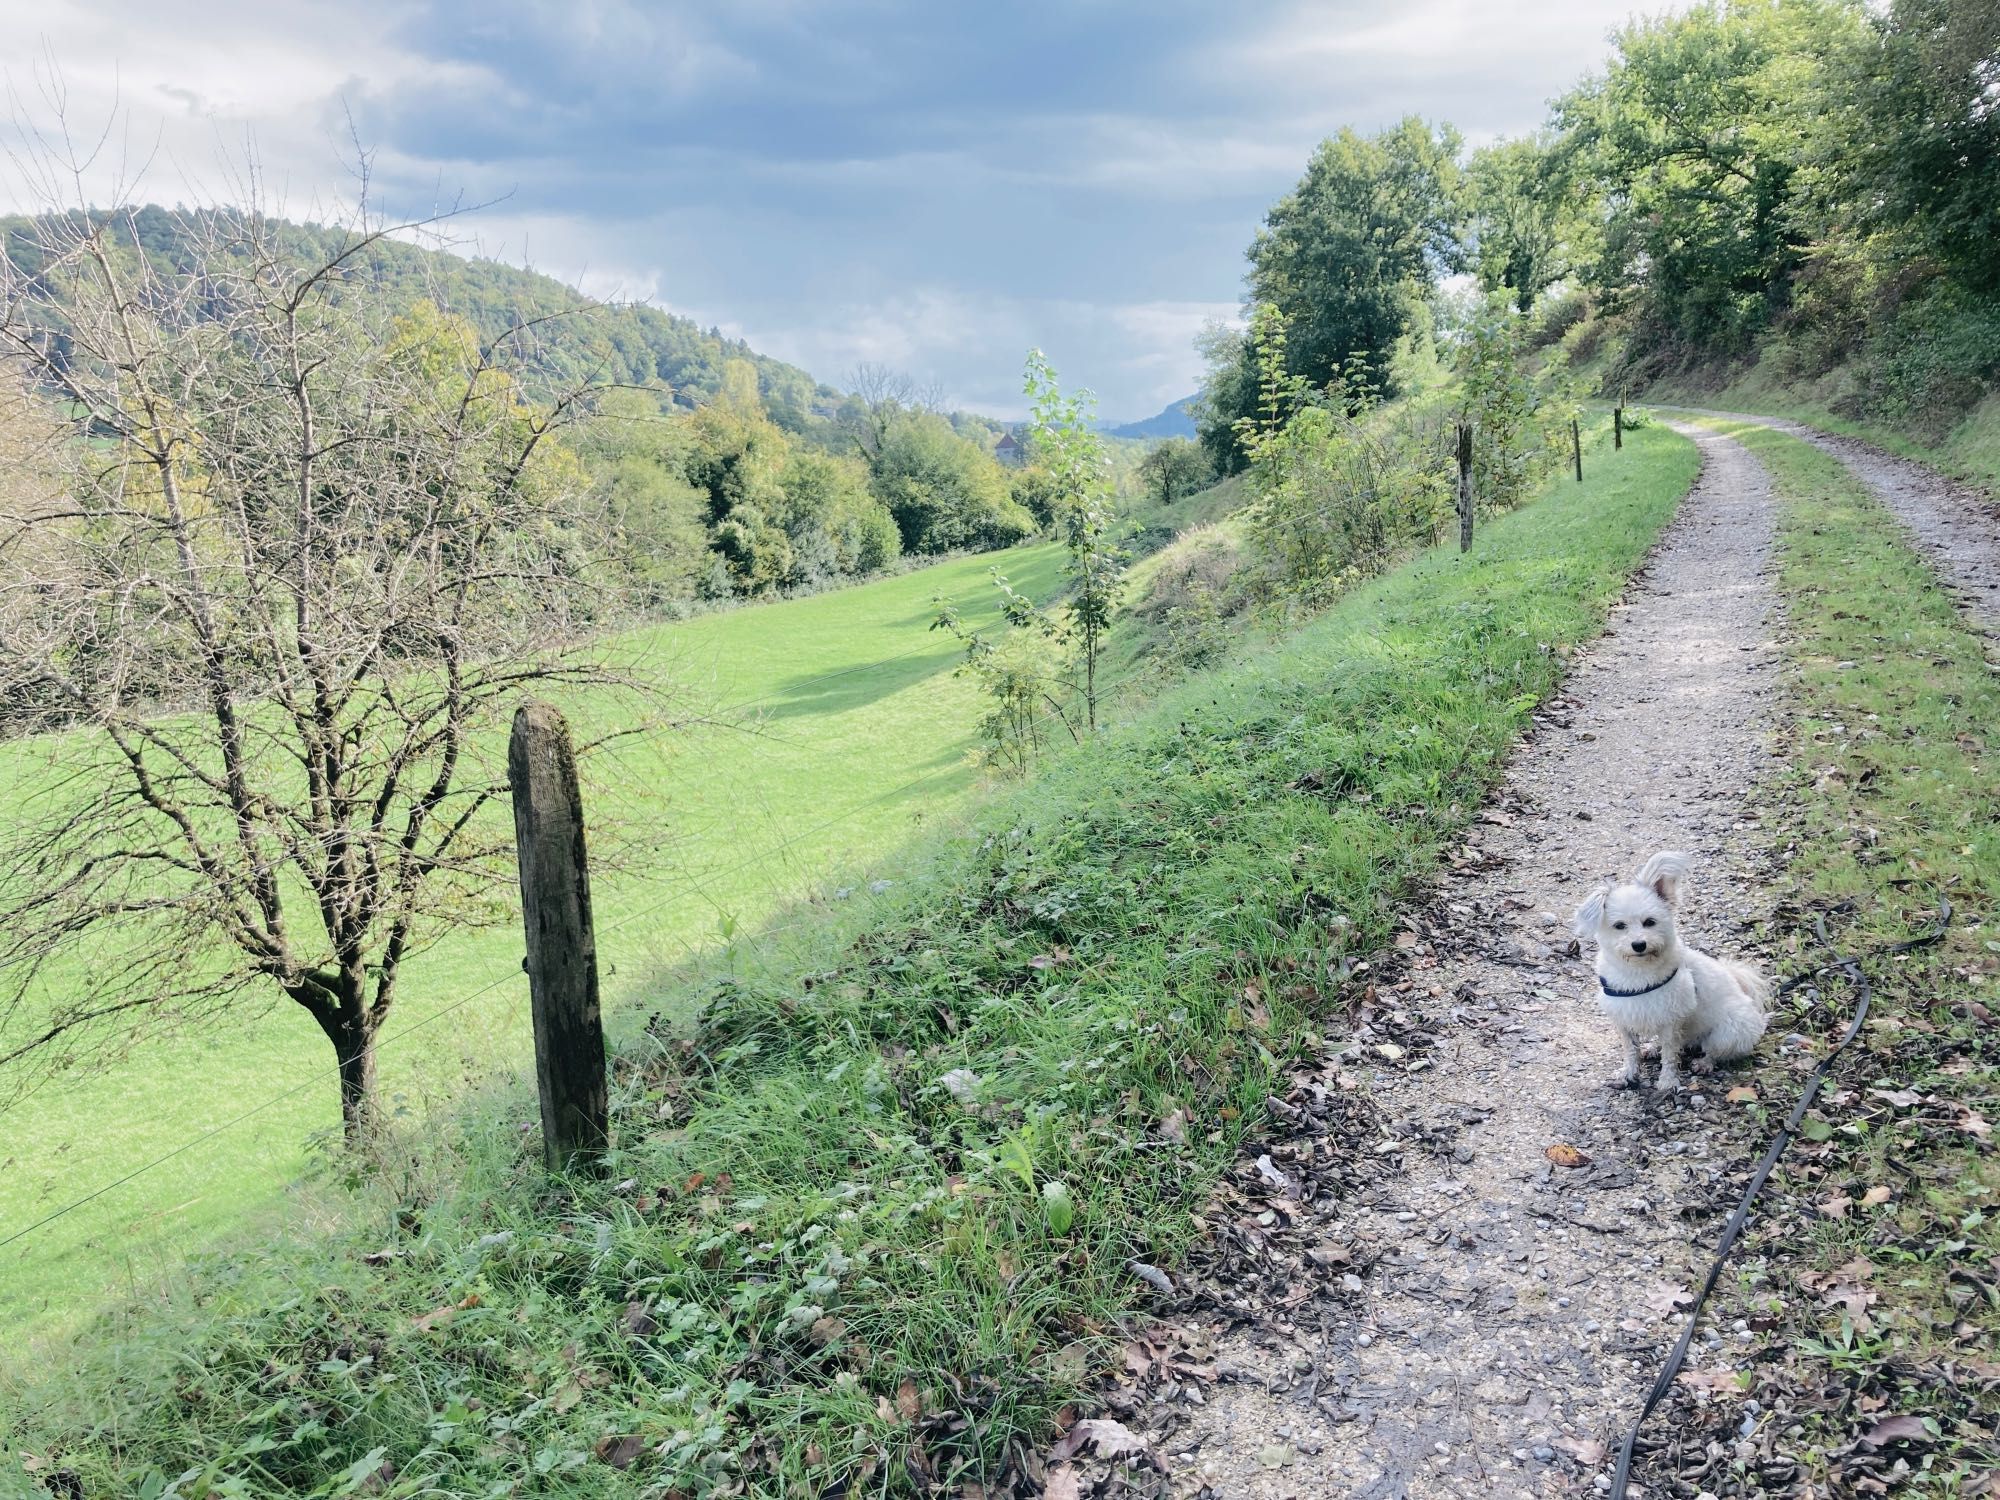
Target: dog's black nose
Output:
[(1638, 945)]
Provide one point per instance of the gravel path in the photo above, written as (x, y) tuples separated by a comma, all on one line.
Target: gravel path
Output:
[(1956, 528), (1510, 1312)]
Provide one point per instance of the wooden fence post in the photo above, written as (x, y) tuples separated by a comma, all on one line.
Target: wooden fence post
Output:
[(1617, 427), (1465, 486), (562, 948), (1576, 444)]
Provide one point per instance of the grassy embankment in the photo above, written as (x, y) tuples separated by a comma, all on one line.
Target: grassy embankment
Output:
[(877, 1203), (851, 697), (1871, 1277)]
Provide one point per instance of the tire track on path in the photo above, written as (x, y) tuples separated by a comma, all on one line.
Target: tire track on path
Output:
[(1954, 528)]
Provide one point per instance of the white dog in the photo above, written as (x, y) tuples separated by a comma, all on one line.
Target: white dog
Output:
[(1653, 984)]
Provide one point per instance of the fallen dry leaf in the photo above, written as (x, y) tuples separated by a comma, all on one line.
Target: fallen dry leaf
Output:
[(1664, 1300), (1875, 1196), (1102, 1436), (1742, 1094), (1587, 1451), (909, 1405), (1061, 1483), (1889, 1429), (1717, 1379), (620, 1451), (1565, 1155), (1837, 1206), (827, 1331)]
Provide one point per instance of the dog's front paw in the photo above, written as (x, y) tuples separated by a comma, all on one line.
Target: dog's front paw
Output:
[(1702, 1067), (1626, 1080)]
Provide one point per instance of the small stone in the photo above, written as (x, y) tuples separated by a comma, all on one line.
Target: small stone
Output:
[(1545, 1453), (1365, 1339)]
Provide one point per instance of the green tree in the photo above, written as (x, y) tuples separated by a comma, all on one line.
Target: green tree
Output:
[(1695, 134), (1228, 393), (1174, 467), (944, 491), (1371, 225), (1527, 223), (1068, 446), (1520, 419), (836, 525), (1920, 151)]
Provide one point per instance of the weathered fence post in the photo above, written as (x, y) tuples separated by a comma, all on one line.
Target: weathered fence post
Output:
[(562, 948), (1576, 445), (1465, 486), (1617, 427)]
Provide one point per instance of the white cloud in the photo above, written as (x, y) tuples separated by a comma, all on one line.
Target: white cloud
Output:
[(823, 195)]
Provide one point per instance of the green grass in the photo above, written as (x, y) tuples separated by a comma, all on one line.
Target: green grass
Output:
[(1895, 802), (883, 1179), (745, 807)]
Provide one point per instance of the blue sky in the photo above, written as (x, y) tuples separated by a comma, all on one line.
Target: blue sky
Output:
[(936, 186)]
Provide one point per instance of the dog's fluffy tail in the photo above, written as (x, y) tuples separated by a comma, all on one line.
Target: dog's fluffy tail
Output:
[(1755, 985), (1742, 1023)]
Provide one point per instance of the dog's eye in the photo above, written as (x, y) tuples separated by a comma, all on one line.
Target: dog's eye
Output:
[(1647, 923), (1617, 926)]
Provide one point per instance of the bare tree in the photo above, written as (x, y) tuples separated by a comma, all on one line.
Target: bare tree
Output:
[(295, 561), (885, 395)]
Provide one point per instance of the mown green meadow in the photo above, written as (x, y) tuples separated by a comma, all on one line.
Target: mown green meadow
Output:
[(877, 1183), (832, 728)]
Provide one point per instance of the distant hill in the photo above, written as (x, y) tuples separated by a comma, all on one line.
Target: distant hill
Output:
[(1175, 421), (627, 343)]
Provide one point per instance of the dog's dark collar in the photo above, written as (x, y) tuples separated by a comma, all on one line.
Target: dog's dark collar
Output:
[(1634, 994)]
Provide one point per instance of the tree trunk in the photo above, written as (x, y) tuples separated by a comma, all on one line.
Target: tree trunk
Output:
[(345, 1021), (354, 1049), (1465, 496)]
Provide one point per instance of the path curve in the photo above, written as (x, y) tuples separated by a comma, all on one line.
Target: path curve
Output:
[(1955, 527), (1512, 1312)]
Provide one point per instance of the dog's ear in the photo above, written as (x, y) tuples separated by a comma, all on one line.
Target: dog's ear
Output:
[(1588, 915), (1666, 873)]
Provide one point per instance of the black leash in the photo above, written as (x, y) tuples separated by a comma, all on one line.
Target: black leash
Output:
[(1733, 1230)]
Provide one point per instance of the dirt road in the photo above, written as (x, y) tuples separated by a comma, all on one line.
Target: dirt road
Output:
[(1503, 1313)]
